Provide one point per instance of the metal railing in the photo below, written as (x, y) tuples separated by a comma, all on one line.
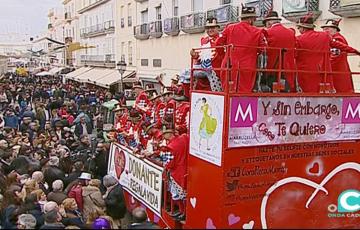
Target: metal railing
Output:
[(155, 29), (172, 26), (342, 9), (193, 23), (142, 32), (98, 29), (224, 14), (229, 75), (98, 58), (295, 13)]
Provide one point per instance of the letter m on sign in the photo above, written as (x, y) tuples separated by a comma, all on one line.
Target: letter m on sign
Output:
[(350, 111), (243, 111)]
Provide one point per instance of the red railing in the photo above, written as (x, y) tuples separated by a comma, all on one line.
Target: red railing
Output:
[(324, 70)]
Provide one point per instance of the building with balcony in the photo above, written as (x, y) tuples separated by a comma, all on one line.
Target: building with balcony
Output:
[(97, 29), (167, 30), (56, 32), (72, 30), (126, 27)]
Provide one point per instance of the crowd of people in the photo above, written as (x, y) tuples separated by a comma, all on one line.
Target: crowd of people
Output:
[(54, 151), (54, 156)]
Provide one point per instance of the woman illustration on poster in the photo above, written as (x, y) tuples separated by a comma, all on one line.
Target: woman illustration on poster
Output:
[(208, 124)]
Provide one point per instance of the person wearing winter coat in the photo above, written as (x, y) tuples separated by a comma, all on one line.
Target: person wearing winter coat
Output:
[(57, 194), (92, 198), (114, 199)]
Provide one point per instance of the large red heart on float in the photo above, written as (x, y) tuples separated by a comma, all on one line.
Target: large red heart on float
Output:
[(300, 203), (120, 162)]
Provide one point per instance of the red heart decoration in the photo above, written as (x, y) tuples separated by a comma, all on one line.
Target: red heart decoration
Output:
[(315, 168), (120, 162), (286, 207)]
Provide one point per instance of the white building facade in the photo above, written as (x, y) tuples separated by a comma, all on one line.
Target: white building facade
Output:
[(97, 28), (72, 29), (166, 30), (56, 31)]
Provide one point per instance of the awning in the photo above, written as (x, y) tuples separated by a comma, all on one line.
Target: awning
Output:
[(74, 74), (148, 78), (96, 73), (44, 73), (56, 70), (115, 77)]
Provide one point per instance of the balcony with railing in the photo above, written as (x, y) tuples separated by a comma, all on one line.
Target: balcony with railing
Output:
[(193, 23), (172, 26), (142, 32), (345, 8), (224, 14), (107, 60), (293, 10), (97, 30), (155, 29), (93, 5)]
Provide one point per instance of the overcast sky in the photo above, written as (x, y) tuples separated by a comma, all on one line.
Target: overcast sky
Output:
[(22, 19)]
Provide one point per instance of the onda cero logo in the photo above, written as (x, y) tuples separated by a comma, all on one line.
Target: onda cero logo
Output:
[(348, 205)]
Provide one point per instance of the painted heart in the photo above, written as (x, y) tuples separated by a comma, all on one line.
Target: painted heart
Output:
[(315, 168), (119, 162), (193, 202), (249, 225), (210, 224), (305, 203), (232, 219)]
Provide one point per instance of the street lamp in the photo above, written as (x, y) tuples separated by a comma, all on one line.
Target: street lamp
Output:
[(121, 67)]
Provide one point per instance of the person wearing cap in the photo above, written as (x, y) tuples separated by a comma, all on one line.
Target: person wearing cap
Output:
[(182, 113), (243, 59), (280, 40), (313, 56), (338, 57), (213, 61), (133, 131)]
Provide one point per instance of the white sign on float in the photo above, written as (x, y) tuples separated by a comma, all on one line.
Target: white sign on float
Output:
[(141, 178), (273, 120), (206, 127)]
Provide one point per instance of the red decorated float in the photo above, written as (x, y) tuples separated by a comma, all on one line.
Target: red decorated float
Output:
[(258, 160)]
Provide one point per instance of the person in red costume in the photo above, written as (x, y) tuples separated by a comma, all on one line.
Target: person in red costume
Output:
[(182, 114), (178, 147), (312, 55), (215, 60), (284, 41), (246, 38), (342, 82)]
